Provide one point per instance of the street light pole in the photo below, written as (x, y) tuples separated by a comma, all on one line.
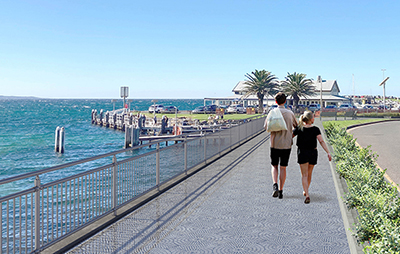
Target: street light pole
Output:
[(320, 93), (384, 91)]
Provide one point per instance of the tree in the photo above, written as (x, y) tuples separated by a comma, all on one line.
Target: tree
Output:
[(297, 85), (261, 83)]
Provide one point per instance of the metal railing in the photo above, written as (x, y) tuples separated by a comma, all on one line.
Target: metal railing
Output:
[(39, 217)]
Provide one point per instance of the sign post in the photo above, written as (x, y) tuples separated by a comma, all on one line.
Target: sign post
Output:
[(124, 93)]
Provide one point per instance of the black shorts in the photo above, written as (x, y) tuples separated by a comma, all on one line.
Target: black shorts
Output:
[(282, 154), (307, 156)]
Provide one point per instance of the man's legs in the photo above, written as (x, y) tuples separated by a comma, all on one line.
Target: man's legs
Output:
[(278, 192), (276, 156), (275, 173), (282, 177)]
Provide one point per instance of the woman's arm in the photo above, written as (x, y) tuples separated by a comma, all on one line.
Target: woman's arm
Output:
[(322, 142)]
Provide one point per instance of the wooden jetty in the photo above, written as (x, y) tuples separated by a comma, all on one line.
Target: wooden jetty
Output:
[(139, 129)]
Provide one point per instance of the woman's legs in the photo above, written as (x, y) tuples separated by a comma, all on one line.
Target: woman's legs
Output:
[(310, 170), (304, 177)]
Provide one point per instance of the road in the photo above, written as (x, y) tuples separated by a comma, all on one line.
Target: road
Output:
[(384, 139)]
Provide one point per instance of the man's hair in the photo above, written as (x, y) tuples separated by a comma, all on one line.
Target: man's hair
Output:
[(280, 98)]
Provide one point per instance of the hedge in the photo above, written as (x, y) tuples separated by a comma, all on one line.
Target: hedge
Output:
[(377, 201)]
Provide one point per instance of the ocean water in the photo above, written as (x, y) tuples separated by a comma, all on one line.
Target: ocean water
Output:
[(27, 132)]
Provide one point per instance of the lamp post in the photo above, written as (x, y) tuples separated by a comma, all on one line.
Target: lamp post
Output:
[(383, 83), (320, 93), (384, 92)]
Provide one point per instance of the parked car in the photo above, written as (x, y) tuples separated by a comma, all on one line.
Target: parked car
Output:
[(211, 108), (169, 109), (158, 108), (237, 108), (345, 107), (331, 107), (222, 106), (397, 108), (368, 107), (199, 110), (314, 107)]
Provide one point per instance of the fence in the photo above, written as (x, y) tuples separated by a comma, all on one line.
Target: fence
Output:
[(40, 217)]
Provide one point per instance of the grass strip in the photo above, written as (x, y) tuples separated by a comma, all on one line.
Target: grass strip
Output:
[(347, 123)]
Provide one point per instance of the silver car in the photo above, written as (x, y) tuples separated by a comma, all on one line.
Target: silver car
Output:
[(237, 108)]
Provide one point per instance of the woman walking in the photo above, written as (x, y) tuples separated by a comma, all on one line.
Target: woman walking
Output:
[(307, 154)]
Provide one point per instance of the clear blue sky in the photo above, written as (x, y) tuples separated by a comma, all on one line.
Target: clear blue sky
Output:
[(193, 48)]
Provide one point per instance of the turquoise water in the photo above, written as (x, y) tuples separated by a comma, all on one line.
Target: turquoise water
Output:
[(27, 130)]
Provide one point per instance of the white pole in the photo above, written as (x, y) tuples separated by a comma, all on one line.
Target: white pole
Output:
[(61, 147), (320, 93), (57, 139)]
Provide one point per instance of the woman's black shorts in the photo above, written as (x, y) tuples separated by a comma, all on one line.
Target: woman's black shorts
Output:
[(307, 156)]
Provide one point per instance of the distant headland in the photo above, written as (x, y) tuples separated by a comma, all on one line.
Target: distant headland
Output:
[(2, 97)]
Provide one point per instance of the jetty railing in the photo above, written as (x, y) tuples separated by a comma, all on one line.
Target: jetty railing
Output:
[(44, 215)]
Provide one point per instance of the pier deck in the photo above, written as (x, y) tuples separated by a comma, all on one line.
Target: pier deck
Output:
[(227, 208)]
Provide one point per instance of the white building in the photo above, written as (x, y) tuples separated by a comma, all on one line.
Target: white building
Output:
[(330, 96)]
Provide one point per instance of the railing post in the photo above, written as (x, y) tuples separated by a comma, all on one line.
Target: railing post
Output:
[(185, 153), (37, 213), (158, 166), (114, 187)]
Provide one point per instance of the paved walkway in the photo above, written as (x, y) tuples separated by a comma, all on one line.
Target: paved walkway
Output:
[(227, 208), (384, 139)]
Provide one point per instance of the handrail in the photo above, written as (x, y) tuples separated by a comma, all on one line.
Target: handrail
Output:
[(74, 163), (45, 214)]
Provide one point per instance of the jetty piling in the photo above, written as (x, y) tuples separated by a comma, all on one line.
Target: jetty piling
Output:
[(57, 137), (131, 136), (59, 142)]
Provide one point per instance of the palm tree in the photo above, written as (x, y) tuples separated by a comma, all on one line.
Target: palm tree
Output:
[(261, 83), (297, 85)]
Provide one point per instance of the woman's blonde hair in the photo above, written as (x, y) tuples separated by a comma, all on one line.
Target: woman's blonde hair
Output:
[(305, 118)]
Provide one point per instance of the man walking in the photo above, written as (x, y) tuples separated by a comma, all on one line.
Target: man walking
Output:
[(281, 145)]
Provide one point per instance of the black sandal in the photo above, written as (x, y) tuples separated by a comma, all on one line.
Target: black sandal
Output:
[(307, 201)]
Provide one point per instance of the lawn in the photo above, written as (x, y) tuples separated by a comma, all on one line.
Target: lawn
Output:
[(346, 123)]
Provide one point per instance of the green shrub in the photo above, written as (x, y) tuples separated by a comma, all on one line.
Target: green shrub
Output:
[(376, 201)]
